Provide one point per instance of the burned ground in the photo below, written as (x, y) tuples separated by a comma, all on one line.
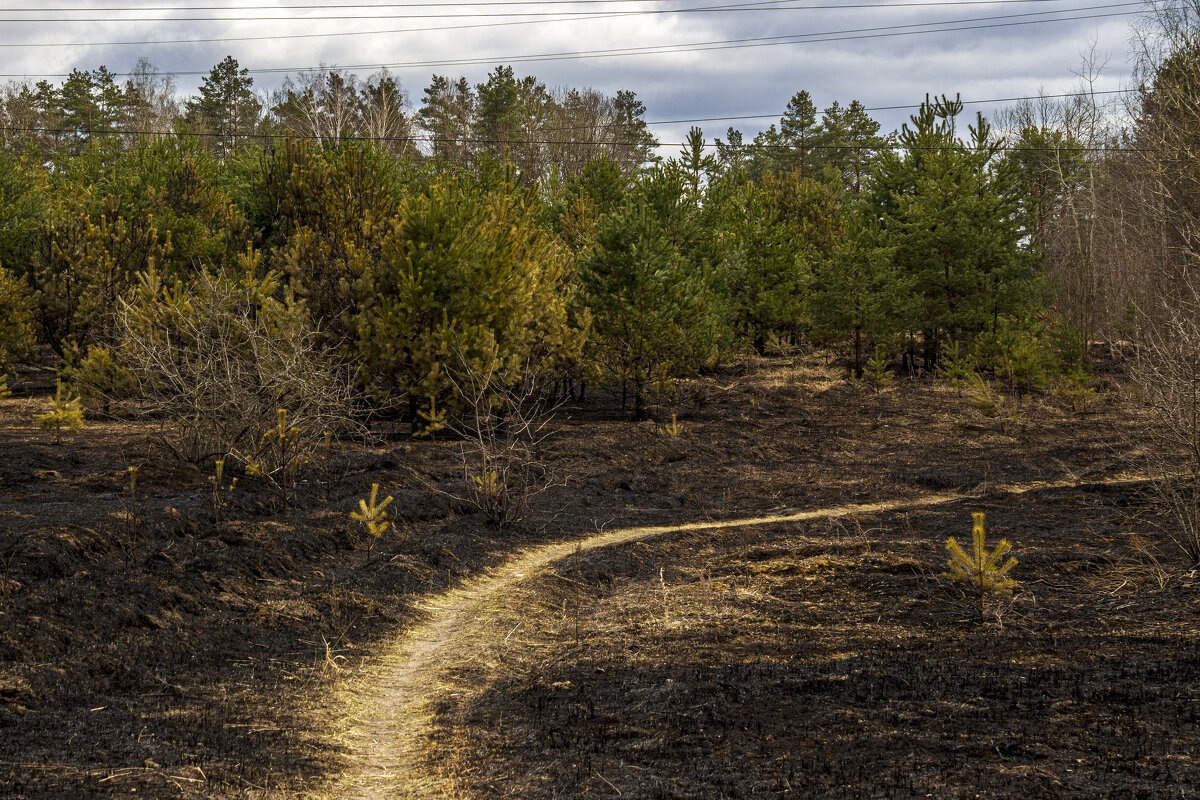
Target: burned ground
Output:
[(153, 648)]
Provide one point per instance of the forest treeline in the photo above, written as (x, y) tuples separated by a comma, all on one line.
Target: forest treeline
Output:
[(510, 230)]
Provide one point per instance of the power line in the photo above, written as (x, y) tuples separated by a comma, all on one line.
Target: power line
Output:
[(346, 17), (767, 5), (891, 108), (323, 6), (799, 38), (878, 145)]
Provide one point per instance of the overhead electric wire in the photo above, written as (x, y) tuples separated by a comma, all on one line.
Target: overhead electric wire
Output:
[(648, 122), (735, 117), (548, 142), (763, 5), (837, 35), (322, 6)]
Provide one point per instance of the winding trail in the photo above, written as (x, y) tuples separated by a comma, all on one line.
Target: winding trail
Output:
[(389, 720)]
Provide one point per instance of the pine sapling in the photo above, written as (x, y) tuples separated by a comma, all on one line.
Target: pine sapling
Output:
[(879, 370), (64, 413), (674, 429), (432, 420), (373, 516), (982, 569), (490, 494)]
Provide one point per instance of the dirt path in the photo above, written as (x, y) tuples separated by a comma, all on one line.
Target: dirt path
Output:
[(387, 727)]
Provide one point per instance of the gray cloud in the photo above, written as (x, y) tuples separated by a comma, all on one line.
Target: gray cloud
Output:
[(979, 64)]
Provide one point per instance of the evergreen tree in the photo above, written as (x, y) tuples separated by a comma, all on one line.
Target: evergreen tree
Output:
[(850, 141), (802, 137), (464, 281), (652, 308), (693, 161), (859, 298), (633, 143), (499, 115), (768, 266), (731, 154), (448, 116), (226, 106), (952, 211), (90, 106)]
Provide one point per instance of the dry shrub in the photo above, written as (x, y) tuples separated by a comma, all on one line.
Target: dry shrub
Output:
[(503, 434), (1166, 374), (217, 359)]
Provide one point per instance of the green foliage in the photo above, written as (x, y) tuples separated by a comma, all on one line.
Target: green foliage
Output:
[(652, 308), (372, 514), (63, 414), (323, 216), (879, 370), (225, 107), (83, 266), (1076, 387), (23, 196), (951, 211), (465, 281), (859, 298), (983, 570), (183, 189), (16, 321), (1026, 355), (956, 366), (100, 379), (986, 401), (767, 266)]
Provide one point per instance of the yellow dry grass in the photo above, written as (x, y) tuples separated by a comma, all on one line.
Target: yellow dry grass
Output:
[(388, 710)]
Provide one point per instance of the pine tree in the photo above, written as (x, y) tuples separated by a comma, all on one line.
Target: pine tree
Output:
[(858, 298), (802, 134), (226, 106), (768, 266), (464, 281), (980, 567), (653, 313), (64, 414), (695, 164), (448, 116), (952, 212)]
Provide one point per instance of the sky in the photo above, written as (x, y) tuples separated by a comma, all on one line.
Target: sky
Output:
[(980, 63)]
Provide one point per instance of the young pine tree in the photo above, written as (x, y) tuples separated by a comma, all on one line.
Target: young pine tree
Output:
[(653, 313)]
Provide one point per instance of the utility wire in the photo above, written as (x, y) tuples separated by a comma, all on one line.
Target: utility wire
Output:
[(881, 144), (324, 6), (796, 38), (766, 5), (877, 108)]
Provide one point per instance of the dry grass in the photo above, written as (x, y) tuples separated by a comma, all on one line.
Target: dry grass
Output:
[(396, 727)]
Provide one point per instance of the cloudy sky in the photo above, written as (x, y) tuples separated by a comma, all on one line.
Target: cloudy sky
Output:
[(740, 58)]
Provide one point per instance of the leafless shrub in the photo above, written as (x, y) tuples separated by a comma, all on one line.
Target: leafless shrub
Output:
[(218, 359), (1166, 374), (503, 434)]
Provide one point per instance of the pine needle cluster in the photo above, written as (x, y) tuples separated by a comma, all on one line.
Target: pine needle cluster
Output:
[(981, 568), (63, 415), (372, 515), (674, 429)]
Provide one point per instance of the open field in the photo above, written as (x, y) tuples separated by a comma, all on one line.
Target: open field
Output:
[(151, 648)]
